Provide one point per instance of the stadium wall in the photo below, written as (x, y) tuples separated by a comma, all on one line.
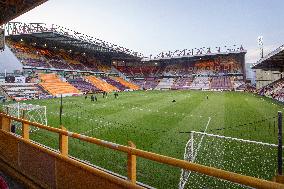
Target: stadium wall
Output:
[(265, 77)]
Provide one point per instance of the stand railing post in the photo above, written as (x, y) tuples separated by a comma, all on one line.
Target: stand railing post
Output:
[(26, 131), (5, 124), (63, 143), (131, 164), (25, 128)]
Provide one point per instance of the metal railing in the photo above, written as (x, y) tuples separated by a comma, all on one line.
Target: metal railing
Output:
[(132, 152)]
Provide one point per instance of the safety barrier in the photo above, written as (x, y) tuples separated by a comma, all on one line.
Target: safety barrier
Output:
[(131, 151)]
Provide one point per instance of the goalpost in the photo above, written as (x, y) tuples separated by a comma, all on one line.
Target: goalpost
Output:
[(33, 113), (190, 155), (246, 157)]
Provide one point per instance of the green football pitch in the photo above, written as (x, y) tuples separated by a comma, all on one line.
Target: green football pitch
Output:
[(160, 122)]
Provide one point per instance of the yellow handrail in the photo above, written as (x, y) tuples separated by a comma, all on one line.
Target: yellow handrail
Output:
[(210, 171)]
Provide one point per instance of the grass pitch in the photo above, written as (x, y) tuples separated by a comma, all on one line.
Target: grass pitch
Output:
[(155, 123)]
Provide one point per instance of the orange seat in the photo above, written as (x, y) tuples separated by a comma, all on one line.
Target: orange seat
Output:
[(52, 84), (127, 84), (100, 84)]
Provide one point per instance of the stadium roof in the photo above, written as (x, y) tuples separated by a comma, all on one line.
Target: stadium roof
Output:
[(195, 56), (272, 61), (11, 9), (195, 53), (63, 38)]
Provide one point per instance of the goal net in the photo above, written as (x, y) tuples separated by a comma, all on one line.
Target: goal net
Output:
[(245, 157), (33, 113)]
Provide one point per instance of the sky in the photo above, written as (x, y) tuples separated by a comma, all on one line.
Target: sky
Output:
[(153, 26)]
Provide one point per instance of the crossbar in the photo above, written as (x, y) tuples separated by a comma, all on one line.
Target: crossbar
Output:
[(236, 139)]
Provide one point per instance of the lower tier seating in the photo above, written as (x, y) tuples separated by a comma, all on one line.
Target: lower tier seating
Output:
[(100, 84), (22, 91), (274, 90), (127, 84), (83, 86), (223, 83), (200, 83), (182, 83), (165, 83), (115, 83), (52, 84)]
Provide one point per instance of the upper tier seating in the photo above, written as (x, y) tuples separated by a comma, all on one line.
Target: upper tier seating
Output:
[(100, 84), (34, 56), (59, 64), (139, 71), (127, 84), (29, 56), (216, 66), (56, 87), (176, 70)]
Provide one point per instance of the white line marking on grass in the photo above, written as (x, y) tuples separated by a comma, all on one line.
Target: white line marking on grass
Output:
[(199, 145), (181, 185)]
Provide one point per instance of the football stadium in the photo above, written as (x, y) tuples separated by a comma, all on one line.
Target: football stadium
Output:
[(80, 112)]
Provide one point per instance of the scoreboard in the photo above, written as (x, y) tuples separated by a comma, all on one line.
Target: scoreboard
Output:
[(2, 39)]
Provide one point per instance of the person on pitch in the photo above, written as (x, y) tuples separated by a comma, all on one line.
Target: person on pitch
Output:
[(115, 94)]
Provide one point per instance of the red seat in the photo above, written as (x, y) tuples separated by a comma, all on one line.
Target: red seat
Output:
[(3, 184)]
